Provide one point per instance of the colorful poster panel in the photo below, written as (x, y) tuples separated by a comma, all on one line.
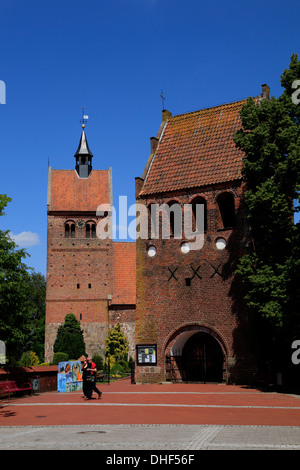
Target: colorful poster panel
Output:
[(69, 377)]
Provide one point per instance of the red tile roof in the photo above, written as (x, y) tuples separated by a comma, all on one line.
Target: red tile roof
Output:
[(68, 192), (196, 149), (124, 273)]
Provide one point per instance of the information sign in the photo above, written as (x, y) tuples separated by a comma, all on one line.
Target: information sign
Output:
[(146, 354)]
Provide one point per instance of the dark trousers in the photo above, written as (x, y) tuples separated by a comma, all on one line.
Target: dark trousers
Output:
[(90, 387), (85, 387)]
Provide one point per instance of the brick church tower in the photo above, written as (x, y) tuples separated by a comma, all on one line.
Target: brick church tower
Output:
[(191, 321), (75, 284), (92, 278)]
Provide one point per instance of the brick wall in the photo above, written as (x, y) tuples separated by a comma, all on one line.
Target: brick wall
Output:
[(79, 281), (83, 274), (200, 294)]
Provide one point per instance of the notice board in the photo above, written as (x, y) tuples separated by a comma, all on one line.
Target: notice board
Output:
[(146, 354)]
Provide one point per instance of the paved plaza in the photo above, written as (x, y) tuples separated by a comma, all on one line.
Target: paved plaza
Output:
[(185, 417), (150, 437)]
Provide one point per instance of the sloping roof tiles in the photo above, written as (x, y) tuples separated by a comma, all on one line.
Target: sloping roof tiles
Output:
[(196, 149), (124, 273), (68, 192)]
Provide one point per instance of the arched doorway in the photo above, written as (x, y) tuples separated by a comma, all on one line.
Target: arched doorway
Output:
[(202, 359), (196, 353)]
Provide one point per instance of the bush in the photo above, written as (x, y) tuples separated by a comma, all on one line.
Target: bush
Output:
[(120, 368), (28, 359), (59, 357)]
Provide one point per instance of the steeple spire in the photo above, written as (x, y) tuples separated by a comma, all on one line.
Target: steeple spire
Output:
[(83, 155)]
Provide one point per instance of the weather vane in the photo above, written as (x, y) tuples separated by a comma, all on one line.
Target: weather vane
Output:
[(84, 118), (162, 99)]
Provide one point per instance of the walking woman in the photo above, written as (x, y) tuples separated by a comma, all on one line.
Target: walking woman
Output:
[(91, 379), (84, 377)]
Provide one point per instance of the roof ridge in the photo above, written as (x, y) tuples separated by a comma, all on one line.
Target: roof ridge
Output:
[(210, 107)]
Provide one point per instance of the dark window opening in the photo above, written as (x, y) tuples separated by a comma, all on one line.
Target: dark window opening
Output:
[(187, 281), (78, 286), (90, 285), (90, 230), (199, 225), (226, 207), (67, 231), (152, 223), (172, 224), (175, 219)]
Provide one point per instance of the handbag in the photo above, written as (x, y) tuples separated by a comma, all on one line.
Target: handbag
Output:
[(90, 378)]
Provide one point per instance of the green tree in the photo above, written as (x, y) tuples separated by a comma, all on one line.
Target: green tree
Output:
[(15, 327), (116, 344), (69, 338), (270, 139), (37, 311)]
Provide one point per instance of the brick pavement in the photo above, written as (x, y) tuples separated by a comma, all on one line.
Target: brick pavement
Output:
[(168, 416)]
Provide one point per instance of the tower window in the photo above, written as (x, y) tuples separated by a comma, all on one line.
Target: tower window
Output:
[(78, 286), (90, 230), (226, 207), (69, 229), (199, 225), (152, 224), (90, 286), (175, 219)]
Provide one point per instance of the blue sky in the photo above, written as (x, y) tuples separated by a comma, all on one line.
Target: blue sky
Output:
[(114, 57)]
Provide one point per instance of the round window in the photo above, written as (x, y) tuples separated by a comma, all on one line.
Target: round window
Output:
[(221, 243), (151, 251), (185, 247)]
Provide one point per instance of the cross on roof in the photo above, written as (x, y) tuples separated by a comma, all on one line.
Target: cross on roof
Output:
[(162, 99)]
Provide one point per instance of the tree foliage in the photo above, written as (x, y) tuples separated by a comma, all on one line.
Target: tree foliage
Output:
[(69, 338), (270, 139), (37, 312), (117, 344), (22, 299), (14, 294)]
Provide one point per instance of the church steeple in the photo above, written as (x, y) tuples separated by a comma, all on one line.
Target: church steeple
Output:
[(83, 155)]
